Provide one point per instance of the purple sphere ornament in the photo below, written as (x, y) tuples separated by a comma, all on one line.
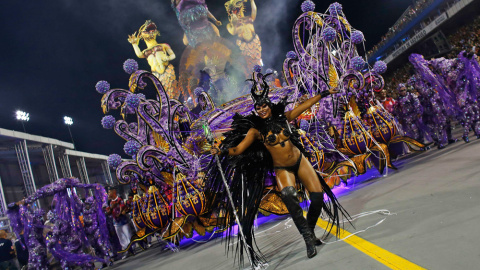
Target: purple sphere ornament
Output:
[(257, 68), (357, 37), (329, 34), (335, 9), (307, 6), (131, 148), (380, 67), (291, 54), (132, 100), (108, 121), (114, 160), (198, 91), (357, 63), (130, 66), (102, 87)]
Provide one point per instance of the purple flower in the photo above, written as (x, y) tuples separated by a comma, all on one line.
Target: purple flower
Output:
[(108, 121), (307, 6), (380, 67), (102, 87), (357, 63), (132, 100), (114, 160), (335, 9), (329, 34), (141, 96), (257, 68), (131, 148), (291, 54), (130, 66), (357, 37)]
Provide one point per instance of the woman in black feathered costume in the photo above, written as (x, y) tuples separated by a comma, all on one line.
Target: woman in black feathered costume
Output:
[(264, 145)]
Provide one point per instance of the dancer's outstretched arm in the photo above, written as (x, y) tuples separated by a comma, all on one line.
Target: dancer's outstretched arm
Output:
[(251, 136), (293, 114)]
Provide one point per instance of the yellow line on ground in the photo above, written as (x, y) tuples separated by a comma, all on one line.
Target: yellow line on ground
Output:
[(385, 257)]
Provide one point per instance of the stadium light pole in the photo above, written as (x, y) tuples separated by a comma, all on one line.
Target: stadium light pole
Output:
[(69, 122), (23, 117)]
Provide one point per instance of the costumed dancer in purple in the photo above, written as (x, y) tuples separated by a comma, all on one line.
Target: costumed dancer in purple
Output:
[(409, 111), (262, 145), (436, 102), (467, 85), (101, 245)]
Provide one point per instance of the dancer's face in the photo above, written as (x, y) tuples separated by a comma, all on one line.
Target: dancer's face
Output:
[(263, 110), (383, 94), (402, 91)]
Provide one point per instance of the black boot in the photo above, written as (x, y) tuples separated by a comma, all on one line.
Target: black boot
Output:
[(314, 211), (290, 198)]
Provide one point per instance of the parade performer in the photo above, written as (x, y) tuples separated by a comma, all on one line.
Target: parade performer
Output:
[(409, 111), (466, 90), (242, 27), (157, 54), (435, 101), (387, 102), (269, 143), (117, 211), (92, 230)]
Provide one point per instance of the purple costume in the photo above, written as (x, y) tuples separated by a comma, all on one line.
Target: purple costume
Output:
[(436, 102), (466, 91), (409, 112)]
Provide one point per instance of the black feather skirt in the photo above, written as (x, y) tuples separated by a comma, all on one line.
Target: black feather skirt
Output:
[(248, 175)]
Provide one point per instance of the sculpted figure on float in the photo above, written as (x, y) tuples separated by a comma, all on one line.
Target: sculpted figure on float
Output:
[(157, 54), (242, 27), (206, 52)]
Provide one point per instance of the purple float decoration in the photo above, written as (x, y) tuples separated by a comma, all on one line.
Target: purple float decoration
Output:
[(291, 54), (329, 34), (102, 87), (131, 148), (114, 160), (307, 6), (380, 67), (335, 9), (357, 63), (108, 122), (132, 100), (357, 37), (130, 66)]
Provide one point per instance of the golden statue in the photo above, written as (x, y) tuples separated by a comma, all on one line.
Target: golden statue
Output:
[(242, 27), (157, 54)]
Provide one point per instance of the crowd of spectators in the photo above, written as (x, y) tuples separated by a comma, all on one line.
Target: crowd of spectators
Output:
[(465, 38), (407, 17)]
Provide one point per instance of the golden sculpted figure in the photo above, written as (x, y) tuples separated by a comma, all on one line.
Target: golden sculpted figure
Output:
[(242, 26), (157, 54)]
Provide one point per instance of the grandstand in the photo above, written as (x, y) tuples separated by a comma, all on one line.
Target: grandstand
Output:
[(423, 28)]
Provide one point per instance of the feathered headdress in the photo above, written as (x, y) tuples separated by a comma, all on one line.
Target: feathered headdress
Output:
[(261, 98)]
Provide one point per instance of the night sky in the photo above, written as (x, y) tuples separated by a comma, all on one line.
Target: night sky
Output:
[(54, 52)]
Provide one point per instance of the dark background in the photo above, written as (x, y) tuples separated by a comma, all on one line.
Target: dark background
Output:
[(54, 52)]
